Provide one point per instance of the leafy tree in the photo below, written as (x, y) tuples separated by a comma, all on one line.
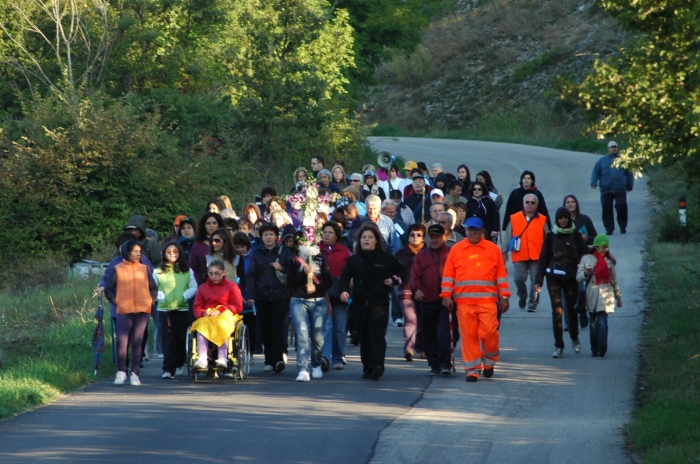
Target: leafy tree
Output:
[(650, 91)]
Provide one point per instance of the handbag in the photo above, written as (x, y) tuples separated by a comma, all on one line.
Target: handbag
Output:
[(581, 307), (514, 243), (281, 276)]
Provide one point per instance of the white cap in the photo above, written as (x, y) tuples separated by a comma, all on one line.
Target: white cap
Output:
[(612, 143), (437, 192)]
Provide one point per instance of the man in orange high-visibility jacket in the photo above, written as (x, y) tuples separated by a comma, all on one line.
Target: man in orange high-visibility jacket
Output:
[(475, 277)]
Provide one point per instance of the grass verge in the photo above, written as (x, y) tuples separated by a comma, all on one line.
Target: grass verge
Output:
[(45, 343), (666, 422)]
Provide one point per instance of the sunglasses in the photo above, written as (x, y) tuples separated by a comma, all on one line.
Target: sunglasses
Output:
[(214, 274), (355, 180), (172, 252), (216, 240), (416, 235), (477, 190), (530, 202)]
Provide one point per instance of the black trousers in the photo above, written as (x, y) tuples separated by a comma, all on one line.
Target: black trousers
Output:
[(570, 287), (371, 322), (173, 327), (251, 322), (436, 334), (272, 316), (620, 200)]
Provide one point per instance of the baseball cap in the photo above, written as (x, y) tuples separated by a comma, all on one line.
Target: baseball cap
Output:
[(474, 222), (612, 143), (417, 174), (436, 229), (410, 165), (437, 192), (369, 173), (342, 202), (178, 219)]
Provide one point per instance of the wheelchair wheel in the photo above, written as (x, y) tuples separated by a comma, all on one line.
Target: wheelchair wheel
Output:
[(242, 351), (190, 349)]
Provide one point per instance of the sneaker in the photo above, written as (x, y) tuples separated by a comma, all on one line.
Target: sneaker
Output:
[(594, 355), (284, 357), (166, 375), (608, 232), (398, 323), (345, 361), (134, 379), (376, 372), (445, 372), (472, 378), (522, 302), (145, 356), (558, 353), (338, 367), (325, 365), (268, 368), (120, 379), (303, 376), (602, 349), (408, 355), (317, 372), (201, 363), (531, 308), (179, 371), (160, 356), (421, 355), (566, 328), (623, 230), (365, 375), (488, 373), (222, 363), (434, 371), (355, 338), (279, 367), (577, 346)]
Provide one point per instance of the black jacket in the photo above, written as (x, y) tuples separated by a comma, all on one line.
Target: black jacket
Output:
[(487, 211), (515, 204), (415, 201), (561, 252), (262, 283), (582, 221), (296, 278), (368, 271)]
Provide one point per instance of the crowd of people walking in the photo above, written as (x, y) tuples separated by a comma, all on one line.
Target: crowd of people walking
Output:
[(344, 254)]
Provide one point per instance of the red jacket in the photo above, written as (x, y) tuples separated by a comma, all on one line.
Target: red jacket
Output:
[(226, 294), (427, 270), (336, 257)]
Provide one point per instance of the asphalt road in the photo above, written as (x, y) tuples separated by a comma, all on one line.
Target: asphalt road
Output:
[(535, 409)]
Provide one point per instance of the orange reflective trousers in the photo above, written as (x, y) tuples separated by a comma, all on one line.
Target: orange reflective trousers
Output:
[(478, 324)]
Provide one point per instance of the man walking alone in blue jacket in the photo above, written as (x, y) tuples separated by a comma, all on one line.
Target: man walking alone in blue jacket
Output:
[(614, 185)]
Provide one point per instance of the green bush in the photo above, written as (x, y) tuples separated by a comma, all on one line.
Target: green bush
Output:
[(537, 64)]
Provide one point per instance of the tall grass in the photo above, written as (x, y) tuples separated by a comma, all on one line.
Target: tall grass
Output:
[(666, 423), (45, 341)]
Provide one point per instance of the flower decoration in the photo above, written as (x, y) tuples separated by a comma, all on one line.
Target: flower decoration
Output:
[(312, 204)]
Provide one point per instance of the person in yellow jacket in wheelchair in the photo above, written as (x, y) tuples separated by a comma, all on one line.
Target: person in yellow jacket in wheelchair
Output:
[(475, 278)]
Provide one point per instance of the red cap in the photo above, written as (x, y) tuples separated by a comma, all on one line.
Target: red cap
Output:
[(178, 219)]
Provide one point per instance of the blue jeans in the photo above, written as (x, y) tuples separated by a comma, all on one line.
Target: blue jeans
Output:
[(599, 333), (309, 319), (334, 333)]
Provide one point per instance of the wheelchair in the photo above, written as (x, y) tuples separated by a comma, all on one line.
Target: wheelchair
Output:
[(238, 356)]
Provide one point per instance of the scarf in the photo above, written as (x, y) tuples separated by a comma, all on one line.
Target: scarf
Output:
[(415, 249), (601, 270), (558, 230)]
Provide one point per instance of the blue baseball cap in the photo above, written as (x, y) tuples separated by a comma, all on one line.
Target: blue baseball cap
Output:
[(474, 222)]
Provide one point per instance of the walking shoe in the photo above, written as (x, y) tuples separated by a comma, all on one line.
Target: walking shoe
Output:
[(577, 346), (434, 371), (365, 375), (160, 356), (531, 308), (338, 367), (408, 355), (222, 363), (608, 232), (421, 355), (179, 371), (268, 368), (623, 230), (120, 379), (488, 373), (594, 355), (445, 372), (279, 367), (355, 338), (472, 378), (398, 322), (345, 361), (522, 302), (558, 353), (376, 372), (134, 379), (325, 365), (303, 376), (284, 357), (602, 349), (201, 363), (566, 328), (317, 372), (166, 375)]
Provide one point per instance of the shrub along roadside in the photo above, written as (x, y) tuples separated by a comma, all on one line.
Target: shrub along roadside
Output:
[(666, 422), (45, 336)]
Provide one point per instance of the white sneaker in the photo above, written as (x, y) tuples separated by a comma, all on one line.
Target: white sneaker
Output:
[(577, 346), (134, 379), (222, 363), (179, 371), (268, 368), (303, 376), (120, 379), (284, 357), (558, 353), (200, 364), (167, 375), (160, 356), (316, 372)]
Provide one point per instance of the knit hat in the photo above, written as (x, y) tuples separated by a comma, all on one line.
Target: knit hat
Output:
[(601, 240), (561, 211)]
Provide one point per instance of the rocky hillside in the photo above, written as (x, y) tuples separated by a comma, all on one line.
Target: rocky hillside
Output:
[(494, 57)]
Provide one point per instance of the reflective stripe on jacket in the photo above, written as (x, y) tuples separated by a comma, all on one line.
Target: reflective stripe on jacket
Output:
[(475, 274), (531, 239)]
